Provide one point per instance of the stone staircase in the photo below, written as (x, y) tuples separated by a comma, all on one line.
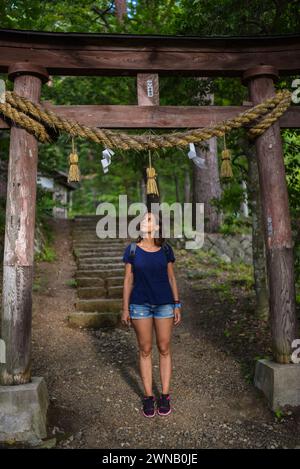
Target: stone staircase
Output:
[(99, 276)]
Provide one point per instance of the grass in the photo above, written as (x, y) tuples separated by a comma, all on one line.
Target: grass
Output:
[(224, 290), (36, 286), (71, 283), (48, 254)]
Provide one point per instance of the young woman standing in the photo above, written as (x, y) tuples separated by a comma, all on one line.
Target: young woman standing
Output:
[(150, 297)]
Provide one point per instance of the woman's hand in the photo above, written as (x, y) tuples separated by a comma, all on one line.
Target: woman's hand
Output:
[(125, 318), (177, 318)]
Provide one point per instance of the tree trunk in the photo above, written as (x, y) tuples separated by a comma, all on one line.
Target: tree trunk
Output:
[(176, 188), (206, 183), (258, 245), (187, 186)]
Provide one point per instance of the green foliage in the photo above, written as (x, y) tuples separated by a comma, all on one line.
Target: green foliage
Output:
[(291, 146), (230, 205), (71, 283), (36, 286), (279, 414), (44, 204), (48, 254), (235, 18)]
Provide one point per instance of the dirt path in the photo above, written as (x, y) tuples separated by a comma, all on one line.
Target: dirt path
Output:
[(94, 384)]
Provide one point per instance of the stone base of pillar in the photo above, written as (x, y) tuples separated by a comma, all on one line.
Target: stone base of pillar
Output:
[(280, 383), (23, 412)]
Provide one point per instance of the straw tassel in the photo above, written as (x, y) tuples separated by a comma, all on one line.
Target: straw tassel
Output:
[(74, 171), (226, 168), (151, 182)]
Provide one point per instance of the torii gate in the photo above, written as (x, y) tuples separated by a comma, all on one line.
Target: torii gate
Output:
[(29, 57)]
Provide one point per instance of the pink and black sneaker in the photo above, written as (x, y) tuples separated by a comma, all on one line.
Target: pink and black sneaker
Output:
[(149, 406), (163, 405)]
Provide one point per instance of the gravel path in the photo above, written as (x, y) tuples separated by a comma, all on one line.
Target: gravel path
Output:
[(94, 384)]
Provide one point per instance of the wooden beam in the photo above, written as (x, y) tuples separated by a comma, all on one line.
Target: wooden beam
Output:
[(95, 54), (277, 222), (19, 241), (131, 117)]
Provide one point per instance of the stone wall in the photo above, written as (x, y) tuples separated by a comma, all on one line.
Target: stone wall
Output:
[(231, 248)]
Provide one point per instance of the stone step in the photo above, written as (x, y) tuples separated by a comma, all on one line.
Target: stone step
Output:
[(104, 273), (109, 250), (107, 282), (82, 282), (100, 243), (94, 320), (93, 229), (100, 266), (94, 234), (97, 216), (96, 259), (99, 304), (100, 255), (115, 291), (89, 246), (107, 220), (107, 232), (116, 281), (92, 292), (83, 238), (97, 292)]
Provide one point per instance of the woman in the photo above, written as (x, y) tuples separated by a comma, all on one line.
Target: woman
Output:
[(150, 297)]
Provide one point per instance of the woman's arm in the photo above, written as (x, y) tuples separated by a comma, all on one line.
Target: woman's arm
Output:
[(172, 281), (127, 286)]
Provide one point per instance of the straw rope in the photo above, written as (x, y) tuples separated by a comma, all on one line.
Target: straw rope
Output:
[(45, 125)]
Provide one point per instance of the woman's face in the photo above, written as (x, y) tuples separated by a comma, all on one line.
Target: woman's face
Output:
[(148, 223)]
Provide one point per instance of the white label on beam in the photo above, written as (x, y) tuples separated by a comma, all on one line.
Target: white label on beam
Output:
[(2, 351), (150, 91)]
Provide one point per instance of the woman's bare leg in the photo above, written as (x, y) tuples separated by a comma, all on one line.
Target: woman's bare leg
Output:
[(163, 329), (144, 332)]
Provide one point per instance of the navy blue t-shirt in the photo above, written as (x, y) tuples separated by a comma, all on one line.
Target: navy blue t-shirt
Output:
[(151, 281)]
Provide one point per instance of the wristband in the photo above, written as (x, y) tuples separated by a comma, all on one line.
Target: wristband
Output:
[(177, 304)]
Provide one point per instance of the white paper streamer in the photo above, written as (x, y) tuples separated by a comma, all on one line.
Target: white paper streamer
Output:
[(200, 162), (107, 154)]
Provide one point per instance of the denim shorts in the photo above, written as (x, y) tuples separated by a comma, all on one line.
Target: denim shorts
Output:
[(147, 310)]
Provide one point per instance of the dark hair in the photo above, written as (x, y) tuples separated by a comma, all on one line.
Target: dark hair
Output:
[(158, 241)]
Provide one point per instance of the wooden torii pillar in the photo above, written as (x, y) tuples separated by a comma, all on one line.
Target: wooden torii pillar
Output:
[(19, 234), (277, 222)]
